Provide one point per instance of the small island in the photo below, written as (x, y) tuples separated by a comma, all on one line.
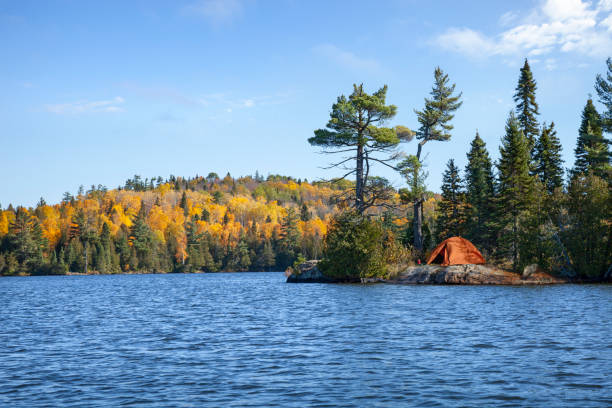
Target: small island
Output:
[(468, 274)]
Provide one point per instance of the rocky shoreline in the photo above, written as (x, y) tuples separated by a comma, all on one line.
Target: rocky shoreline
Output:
[(438, 275)]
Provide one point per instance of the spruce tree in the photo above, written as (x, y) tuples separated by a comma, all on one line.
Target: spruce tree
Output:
[(451, 219), (592, 152), (480, 194), (547, 158), (304, 213), (142, 240), (268, 256), (184, 205), (515, 186), (589, 235), (289, 239), (526, 105)]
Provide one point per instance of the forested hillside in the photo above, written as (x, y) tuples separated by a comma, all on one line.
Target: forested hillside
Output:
[(177, 224)]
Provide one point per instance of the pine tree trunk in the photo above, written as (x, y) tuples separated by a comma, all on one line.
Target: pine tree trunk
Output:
[(418, 225), (359, 180), (418, 207)]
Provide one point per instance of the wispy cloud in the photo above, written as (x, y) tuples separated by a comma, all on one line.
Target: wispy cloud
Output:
[(112, 105), (555, 25), (346, 58), (231, 102), (215, 11), (163, 93)]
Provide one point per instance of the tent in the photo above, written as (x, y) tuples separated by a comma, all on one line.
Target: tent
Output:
[(456, 251)]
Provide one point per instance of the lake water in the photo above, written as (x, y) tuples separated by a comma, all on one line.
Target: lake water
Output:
[(250, 339)]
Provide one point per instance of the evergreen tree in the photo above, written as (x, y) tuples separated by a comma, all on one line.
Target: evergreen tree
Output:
[(434, 125), (592, 152), (451, 219), (480, 195), (355, 128), (603, 86), (547, 158), (515, 188), (268, 257), (26, 240), (304, 213), (289, 240), (526, 105), (142, 241), (589, 235), (183, 204)]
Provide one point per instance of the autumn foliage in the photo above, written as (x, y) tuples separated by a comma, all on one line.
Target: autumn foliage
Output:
[(197, 224)]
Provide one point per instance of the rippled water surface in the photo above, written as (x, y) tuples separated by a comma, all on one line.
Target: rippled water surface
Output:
[(250, 339)]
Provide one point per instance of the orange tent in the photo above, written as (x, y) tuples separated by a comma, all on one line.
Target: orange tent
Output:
[(456, 251)]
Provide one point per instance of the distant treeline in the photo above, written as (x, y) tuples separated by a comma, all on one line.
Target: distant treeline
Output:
[(175, 224)]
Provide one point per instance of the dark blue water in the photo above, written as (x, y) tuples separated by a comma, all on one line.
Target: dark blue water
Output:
[(252, 340)]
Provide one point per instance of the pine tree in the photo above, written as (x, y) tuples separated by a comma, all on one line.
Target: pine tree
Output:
[(480, 195), (356, 128), (515, 188), (526, 105), (184, 205), (589, 235), (547, 158), (26, 240), (268, 256), (142, 241), (289, 239), (603, 86), (304, 213), (592, 152), (434, 121), (451, 221)]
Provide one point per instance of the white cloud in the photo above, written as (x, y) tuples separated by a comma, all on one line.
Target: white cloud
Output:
[(607, 23), (111, 105), (508, 18), (556, 25), (249, 103), (215, 11), (605, 5), (466, 41), (550, 64), (345, 58)]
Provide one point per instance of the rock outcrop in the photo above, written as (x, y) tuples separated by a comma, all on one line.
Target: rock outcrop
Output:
[(438, 275), (470, 275), (307, 272)]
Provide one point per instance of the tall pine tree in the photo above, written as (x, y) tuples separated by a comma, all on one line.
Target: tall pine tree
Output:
[(592, 152), (547, 158), (480, 194), (434, 125), (451, 219), (515, 188), (603, 86), (526, 105)]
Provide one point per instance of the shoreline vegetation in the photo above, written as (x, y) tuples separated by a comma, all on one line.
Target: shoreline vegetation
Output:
[(524, 212)]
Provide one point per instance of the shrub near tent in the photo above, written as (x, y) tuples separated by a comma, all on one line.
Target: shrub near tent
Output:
[(456, 251)]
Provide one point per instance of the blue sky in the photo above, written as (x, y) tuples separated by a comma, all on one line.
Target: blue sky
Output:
[(95, 92)]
